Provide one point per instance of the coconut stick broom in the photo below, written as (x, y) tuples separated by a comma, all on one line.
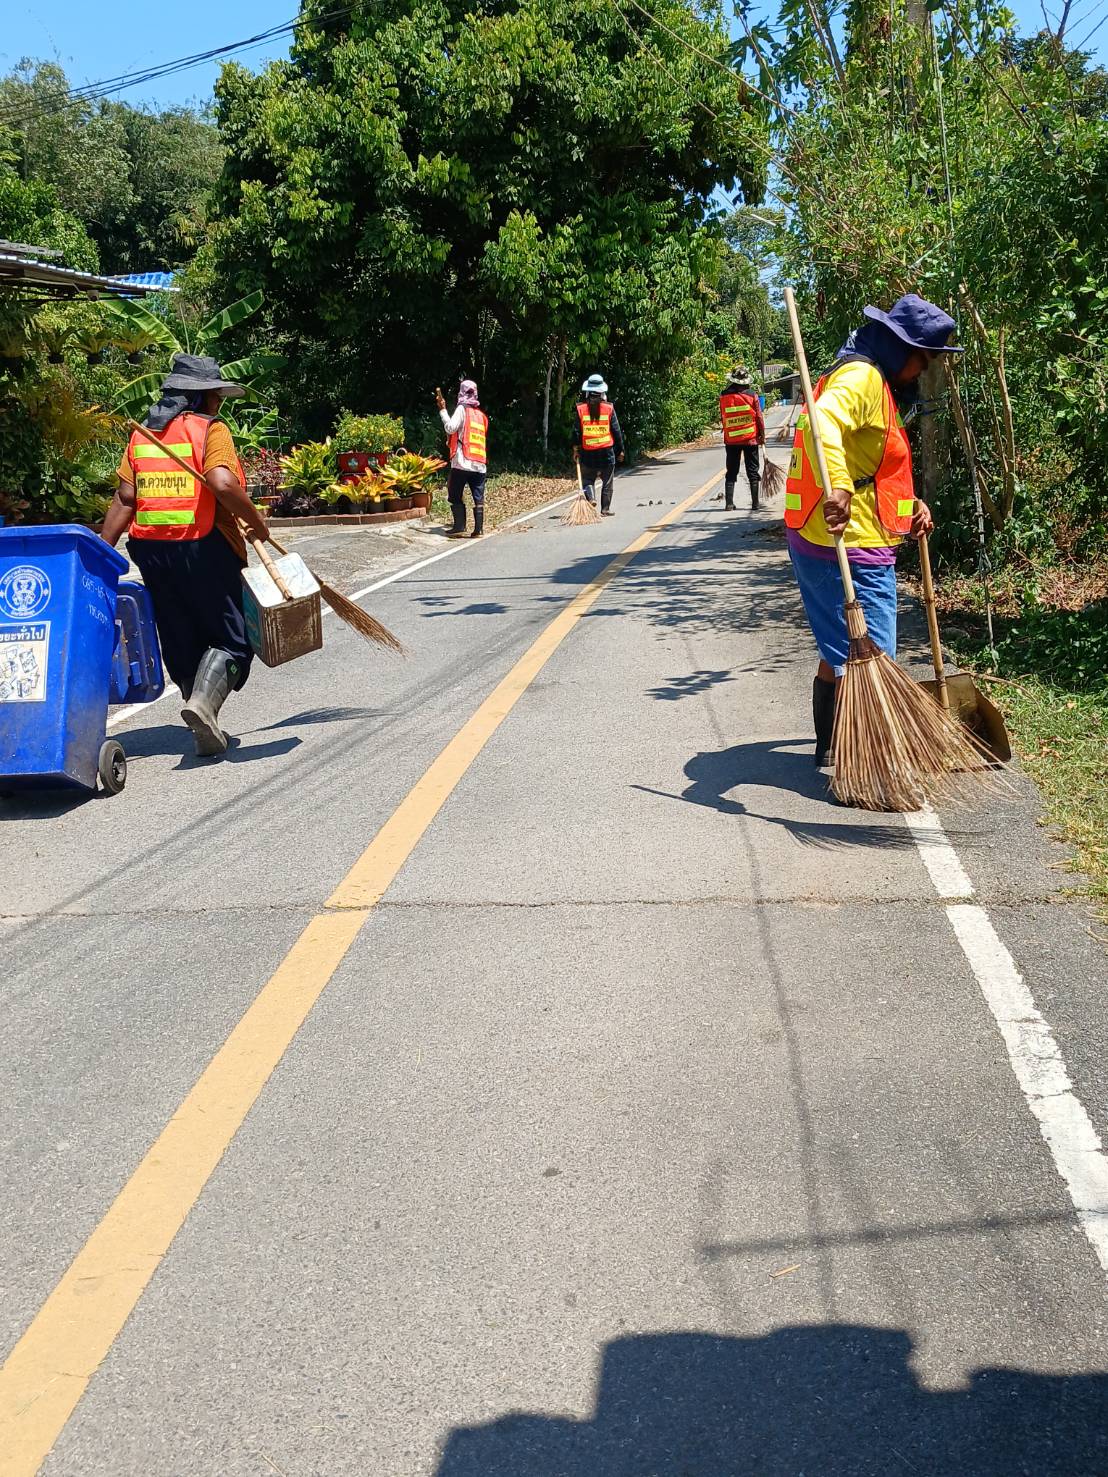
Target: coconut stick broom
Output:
[(895, 748), (580, 510), (773, 479), (355, 617)]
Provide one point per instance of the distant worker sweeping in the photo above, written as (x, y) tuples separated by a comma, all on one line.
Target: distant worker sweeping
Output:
[(184, 535), (467, 432), (859, 404), (597, 442), (744, 435)]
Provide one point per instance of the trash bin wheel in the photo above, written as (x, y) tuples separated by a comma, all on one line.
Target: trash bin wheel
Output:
[(112, 766)]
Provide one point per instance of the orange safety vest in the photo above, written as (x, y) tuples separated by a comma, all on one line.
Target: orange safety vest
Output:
[(474, 436), (596, 435), (169, 504), (740, 425), (896, 498)]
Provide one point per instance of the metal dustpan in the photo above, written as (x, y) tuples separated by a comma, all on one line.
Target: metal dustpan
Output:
[(958, 694), (974, 711)]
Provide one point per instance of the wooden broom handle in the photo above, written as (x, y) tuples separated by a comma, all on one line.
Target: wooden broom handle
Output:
[(258, 545), (932, 620), (817, 439)]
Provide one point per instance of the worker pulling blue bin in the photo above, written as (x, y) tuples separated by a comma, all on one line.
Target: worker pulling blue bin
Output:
[(59, 594)]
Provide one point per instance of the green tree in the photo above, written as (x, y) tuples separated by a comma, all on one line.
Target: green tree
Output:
[(138, 181), (520, 191)]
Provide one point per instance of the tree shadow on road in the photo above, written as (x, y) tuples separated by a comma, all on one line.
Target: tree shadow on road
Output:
[(835, 1400), (690, 684), (722, 578)]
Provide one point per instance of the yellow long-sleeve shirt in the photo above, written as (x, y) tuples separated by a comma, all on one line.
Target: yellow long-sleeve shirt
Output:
[(851, 414)]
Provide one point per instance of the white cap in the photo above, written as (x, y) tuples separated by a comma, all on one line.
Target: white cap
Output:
[(595, 385)]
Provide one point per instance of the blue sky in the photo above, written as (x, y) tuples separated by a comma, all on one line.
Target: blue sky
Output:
[(94, 42)]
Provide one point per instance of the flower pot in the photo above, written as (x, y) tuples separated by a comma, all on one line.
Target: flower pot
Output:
[(357, 463), (389, 504), (422, 500)]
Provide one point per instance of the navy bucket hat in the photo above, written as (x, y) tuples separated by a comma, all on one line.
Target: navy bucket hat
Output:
[(918, 323)]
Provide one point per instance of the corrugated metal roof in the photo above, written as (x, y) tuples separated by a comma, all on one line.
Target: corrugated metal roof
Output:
[(30, 278), (156, 281)]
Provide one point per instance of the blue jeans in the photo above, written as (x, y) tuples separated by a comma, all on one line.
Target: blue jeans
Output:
[(821, 589)]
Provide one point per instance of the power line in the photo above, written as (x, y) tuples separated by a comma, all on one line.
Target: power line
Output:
[(110, 86), (1081, 45)]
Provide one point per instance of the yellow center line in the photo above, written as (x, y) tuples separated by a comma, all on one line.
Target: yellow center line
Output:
[(50, 1367)]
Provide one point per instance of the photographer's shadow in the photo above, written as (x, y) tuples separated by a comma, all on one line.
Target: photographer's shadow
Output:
[(827, 1401)]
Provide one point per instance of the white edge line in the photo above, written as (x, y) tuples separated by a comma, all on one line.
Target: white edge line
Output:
[(116, 719), (939, 857), (1033, 1053), (1040, 1071)]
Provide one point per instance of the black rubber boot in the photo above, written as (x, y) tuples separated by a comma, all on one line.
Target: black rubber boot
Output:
[(728, 497), (459, 512), (823, 715), (215, 676), (754, 496), (478, 522)]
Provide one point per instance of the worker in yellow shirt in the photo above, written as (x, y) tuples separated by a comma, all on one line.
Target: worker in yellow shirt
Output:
[(860, 401)]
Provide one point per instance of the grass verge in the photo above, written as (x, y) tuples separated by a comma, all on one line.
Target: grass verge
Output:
[(507, 495), (1052, 687)]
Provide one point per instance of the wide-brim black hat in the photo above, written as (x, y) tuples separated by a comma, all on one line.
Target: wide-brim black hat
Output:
[(194, 373)]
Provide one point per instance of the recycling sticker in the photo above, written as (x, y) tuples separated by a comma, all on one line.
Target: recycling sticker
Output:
[(23, 654)]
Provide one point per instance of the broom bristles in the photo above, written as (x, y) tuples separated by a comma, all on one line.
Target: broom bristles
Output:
[(580, 511), (360, 620), (895, 748), (773, 480)]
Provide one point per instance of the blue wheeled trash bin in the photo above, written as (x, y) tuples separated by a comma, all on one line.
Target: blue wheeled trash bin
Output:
[(59, 587)]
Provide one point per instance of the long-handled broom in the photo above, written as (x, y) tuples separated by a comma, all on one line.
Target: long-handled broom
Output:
[(894, 746), (580, 510), (773, 479), (355, 617)]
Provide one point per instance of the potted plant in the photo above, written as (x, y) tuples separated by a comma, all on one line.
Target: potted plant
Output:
[(308, 469), (361, 439), (263, 472), (406, 477), (336, 498), (365, 493)]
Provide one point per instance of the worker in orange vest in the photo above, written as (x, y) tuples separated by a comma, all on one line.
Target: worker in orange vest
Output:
[(860, 402), (597, 442), (744, 434), (467, 433), (186, 539)]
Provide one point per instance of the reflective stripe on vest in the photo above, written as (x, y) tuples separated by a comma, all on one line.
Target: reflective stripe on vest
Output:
[(895, 492), (169, 503), (739, 422), (474, 436), (596, 435)]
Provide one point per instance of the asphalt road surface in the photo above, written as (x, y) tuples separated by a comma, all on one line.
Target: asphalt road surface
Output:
[(509, 1062)]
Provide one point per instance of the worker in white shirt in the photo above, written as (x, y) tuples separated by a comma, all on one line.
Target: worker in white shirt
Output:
[(468, 431)]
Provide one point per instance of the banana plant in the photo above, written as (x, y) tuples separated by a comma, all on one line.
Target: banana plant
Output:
[(147, 329), (253, 429)]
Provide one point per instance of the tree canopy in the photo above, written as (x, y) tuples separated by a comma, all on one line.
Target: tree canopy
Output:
[(519, 191)]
